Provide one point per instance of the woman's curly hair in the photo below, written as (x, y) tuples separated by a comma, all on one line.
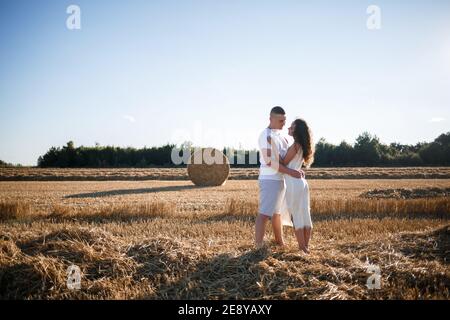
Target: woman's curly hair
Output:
[(303, 136)]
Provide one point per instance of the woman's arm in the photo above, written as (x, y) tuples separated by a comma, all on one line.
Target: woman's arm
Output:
[(279, 165), (292, 151)]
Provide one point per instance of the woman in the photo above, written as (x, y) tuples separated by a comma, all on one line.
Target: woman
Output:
[(297, 190)]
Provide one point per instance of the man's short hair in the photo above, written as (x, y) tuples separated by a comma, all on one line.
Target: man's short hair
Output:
[(277, 110)]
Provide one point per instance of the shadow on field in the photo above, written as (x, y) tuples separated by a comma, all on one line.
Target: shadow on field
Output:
[(254, 274), (224, 276), (19, 281), (429, 246), (119, 192)]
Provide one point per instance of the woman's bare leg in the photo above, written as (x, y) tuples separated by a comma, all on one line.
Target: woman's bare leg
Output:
[(300, 235), (307, 236)]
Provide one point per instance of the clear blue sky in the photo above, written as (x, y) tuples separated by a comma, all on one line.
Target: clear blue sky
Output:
[(151, 72)]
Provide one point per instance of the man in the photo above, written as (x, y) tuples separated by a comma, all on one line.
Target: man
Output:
[(271, 181)]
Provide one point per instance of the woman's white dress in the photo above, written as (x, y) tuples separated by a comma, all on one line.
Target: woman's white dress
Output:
[(296, 208)]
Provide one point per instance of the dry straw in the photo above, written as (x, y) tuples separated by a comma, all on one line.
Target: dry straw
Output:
[(113, 174), (213, 256), (208, 167), (14, 210)]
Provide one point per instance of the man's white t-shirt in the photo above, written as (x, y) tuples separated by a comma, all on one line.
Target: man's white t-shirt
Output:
[(281, 144)]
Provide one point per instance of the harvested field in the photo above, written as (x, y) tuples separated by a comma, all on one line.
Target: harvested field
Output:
[(406, 193), (43, 195), (42, 174), (173, 240)]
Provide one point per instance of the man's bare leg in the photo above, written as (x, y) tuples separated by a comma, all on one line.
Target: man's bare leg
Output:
[(260, 228), (277, 229)]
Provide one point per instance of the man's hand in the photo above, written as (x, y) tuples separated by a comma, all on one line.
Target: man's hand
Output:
[(303, 174), (297, 174)]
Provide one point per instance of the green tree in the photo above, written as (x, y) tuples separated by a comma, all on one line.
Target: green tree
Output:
[(367, 149)]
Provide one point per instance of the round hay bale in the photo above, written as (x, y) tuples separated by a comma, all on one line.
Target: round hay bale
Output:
[(208, 167)]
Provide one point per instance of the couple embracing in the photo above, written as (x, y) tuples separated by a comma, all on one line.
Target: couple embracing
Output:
[(283, 190)]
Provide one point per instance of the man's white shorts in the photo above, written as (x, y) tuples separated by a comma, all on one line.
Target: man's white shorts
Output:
[(271, 196)]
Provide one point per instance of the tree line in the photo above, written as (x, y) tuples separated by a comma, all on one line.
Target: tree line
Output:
[(369, 151), (4, 164), (366, 151)]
